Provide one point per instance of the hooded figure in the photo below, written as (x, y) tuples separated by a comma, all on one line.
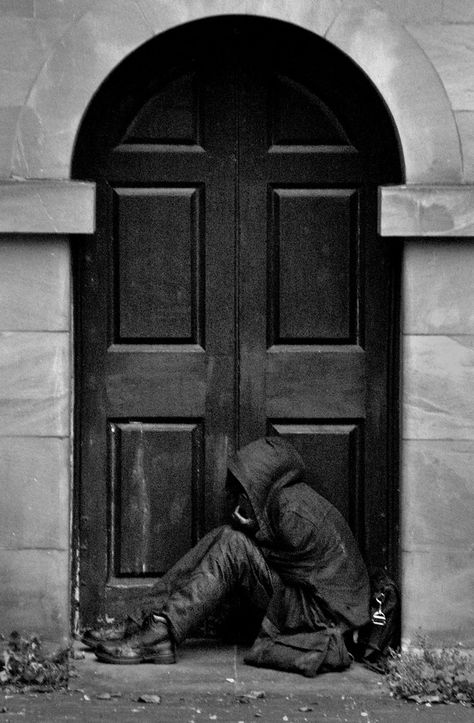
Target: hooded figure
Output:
[(323, 589), (288, 548)]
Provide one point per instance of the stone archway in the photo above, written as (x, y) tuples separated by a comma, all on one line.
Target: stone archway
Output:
[(397, 66), (230, 115)]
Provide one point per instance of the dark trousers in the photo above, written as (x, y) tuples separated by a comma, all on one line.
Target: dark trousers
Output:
[(223, 561)]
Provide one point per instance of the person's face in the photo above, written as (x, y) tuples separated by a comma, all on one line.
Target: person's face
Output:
[(243, 516)]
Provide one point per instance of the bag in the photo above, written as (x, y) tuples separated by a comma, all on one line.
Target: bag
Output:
[(308, 653), (382, 633)]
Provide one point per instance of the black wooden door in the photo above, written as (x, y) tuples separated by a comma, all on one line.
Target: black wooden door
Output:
[(235, 287)]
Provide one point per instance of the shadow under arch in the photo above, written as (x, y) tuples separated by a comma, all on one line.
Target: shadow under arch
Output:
[(342, 85)]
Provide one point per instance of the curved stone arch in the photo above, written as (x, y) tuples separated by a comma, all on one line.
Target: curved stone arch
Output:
[(111, 30)]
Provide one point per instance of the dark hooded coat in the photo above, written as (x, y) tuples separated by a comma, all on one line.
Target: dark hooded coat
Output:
[(323, 589)]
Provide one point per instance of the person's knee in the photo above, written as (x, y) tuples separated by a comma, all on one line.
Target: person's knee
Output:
[(235, 538)]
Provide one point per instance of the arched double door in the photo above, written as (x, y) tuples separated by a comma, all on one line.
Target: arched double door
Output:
[(235, 287)]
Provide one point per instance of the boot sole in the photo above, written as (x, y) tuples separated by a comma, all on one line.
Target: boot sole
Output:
[(167, 659), (92, 644)]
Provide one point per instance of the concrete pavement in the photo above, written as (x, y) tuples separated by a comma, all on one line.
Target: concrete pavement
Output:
[(211, 683)]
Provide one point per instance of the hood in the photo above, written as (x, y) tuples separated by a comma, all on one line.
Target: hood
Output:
[(265, 466)]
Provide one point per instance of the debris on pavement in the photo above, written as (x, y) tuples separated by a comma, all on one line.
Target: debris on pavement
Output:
[(145, 698)]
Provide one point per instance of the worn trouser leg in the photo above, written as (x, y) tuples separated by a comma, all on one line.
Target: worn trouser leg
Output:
[(231, 560)]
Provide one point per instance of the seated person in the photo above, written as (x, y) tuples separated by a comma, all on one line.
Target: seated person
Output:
[(288, 549)]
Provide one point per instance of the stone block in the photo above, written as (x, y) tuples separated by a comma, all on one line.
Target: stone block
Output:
[(437, 494), (17, 8), (34, 284), (35, 592), (438, 387), (54, 207), (34, 483), (35, 391), (437, 287), (415, 11), (67, 9), (465, 123), (438, 589), (450, 48), (410, 86), (315, 16), (8, 121), (458, 11), (94, 45), (420, 210), (166, 15), (25, 44)]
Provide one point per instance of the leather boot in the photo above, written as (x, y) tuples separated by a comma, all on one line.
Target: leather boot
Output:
[(152, 644), (92, 637)]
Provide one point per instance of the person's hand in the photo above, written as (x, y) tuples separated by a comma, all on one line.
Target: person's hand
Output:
[(241, 518)]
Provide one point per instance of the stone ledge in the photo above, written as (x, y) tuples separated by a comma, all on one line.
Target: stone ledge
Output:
[(39, 207), (426, 211), (68, 207)]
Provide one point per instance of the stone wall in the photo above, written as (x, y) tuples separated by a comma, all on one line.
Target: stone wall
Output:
[(34, 434), (49, 51), (438, 440), (438, 367), (444, 29)]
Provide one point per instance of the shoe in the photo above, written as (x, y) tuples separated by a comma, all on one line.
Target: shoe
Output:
[(92, 637), (152, 644)]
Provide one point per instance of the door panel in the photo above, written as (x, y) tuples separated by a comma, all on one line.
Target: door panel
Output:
[(157, 487), (332, 453), (236, 287), (159, 259), (314, 259)]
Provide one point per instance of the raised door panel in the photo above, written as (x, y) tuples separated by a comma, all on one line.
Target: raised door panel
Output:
[(299, 118), (157, 487), (160, 265), (170, 117), (313, 265), (333, 454)]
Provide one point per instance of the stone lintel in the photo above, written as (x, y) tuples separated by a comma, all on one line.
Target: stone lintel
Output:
[(47, 207), (68, 207), (426, 211)]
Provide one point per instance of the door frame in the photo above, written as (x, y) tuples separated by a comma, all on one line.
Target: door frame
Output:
[(391, 503)]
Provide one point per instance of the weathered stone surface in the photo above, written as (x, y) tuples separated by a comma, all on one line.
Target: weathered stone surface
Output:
[(18, 8), (415, 11), (83, 57), (101, 37), (67, 9), (438, 287), (438, 387), (465, 123), (25, 44), (458, 11), (34, 473), (438, 494), (410, 87), (34, 594), (53, 207), (8, 121), (451, 50), (438, 587), (35, 391), (165, 15), (315, 15), (34, 284), (426, 210)]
